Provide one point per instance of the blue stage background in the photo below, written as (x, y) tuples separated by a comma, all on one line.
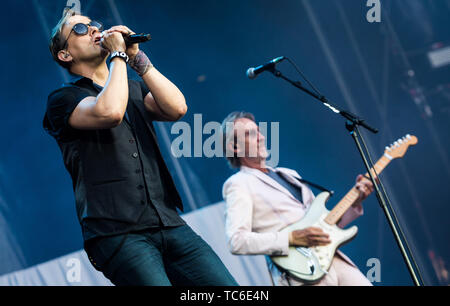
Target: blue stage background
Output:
[(377, 70)]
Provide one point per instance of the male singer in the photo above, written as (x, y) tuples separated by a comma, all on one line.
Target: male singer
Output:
[(125, 198)]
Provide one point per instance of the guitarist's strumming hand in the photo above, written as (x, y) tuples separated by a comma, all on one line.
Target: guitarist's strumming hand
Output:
[(309, 237)]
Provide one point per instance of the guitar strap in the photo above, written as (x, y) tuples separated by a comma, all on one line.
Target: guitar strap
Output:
[(315, 185)]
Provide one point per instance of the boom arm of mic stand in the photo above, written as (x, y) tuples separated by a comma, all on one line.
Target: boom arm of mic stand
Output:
[(347, 115)]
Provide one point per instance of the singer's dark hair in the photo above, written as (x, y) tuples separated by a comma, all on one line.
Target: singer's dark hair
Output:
[(228, 134), (56, 42)]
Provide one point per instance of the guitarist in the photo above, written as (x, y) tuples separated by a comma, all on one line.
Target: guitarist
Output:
[(260, 201)]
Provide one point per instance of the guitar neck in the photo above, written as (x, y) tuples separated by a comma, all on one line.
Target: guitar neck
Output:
[(350, 198)]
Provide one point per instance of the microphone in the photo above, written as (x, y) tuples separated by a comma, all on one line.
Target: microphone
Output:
[(136, 38), (253, 72)]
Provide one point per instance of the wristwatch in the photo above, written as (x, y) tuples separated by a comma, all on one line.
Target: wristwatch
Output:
[(120, 54)]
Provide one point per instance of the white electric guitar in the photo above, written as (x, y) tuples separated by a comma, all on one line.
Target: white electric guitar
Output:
[(311, 264)]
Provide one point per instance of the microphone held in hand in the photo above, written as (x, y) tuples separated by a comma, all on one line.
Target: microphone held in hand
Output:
[(253, 72), (136, 38)]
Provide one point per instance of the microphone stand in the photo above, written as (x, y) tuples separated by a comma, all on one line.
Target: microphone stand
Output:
[(352, 123)]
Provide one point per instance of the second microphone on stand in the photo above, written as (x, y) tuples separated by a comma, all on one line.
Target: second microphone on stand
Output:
[(253, 72)]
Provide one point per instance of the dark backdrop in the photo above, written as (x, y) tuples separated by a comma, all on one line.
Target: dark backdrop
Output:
[(377, 70)]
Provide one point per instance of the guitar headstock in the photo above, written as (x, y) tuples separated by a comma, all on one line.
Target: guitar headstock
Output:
[(399, 148)]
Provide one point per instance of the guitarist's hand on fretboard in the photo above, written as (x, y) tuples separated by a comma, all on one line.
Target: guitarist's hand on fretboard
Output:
[(364, 186), (309, 237)]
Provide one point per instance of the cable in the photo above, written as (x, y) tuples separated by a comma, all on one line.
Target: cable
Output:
[(303, 76)]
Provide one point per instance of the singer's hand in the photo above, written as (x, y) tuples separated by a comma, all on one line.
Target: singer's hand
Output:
[(131, 50), (113, 41)]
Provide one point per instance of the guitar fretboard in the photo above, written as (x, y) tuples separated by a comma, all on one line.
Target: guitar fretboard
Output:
[(352, 196)]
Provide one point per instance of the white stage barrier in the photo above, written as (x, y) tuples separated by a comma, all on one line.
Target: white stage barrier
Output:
[(75, 269)]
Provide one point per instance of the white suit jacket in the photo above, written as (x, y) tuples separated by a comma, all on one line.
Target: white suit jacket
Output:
[(258, 207)]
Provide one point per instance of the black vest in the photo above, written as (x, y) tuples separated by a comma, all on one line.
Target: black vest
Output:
[(120, 179)]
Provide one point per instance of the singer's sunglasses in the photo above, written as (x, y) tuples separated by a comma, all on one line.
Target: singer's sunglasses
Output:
[(82, 29)]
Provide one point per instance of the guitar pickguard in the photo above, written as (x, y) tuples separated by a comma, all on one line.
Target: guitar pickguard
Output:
[(311, 264)]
